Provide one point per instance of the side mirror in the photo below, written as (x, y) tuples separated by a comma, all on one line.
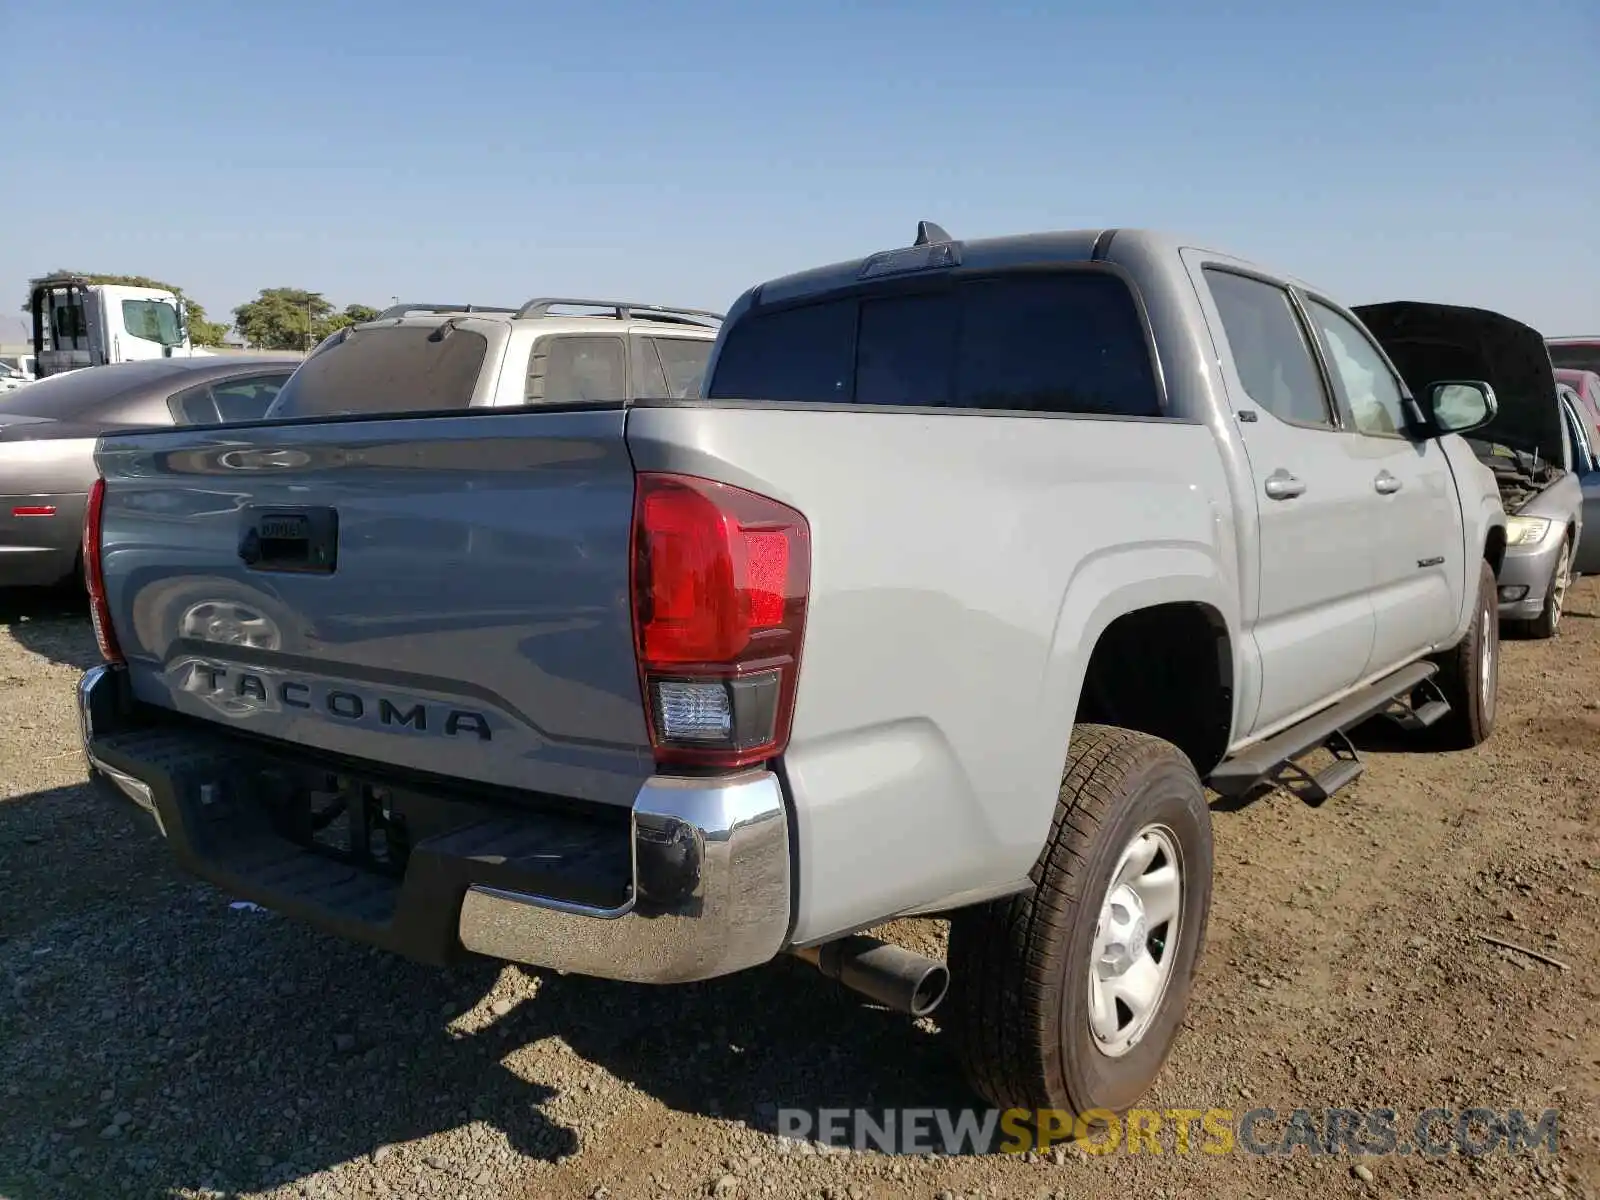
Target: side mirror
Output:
[(1461, 405)]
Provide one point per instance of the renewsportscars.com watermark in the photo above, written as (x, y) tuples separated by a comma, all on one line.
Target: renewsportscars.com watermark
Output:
[(1434, 1132)]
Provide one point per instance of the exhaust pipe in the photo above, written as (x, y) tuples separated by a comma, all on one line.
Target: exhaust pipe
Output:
[(896, 978)]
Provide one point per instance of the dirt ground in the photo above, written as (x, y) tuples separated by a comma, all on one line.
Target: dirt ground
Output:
[(155, 1041)]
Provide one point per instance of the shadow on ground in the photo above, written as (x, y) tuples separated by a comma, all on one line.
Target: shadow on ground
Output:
[(242, 1050), (50, 622)]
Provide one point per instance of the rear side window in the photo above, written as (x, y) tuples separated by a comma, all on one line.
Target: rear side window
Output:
[(684, 361), (393, 369), (1068, 342), (669, 368), (564, 369), (1270, 350), (232, 400)]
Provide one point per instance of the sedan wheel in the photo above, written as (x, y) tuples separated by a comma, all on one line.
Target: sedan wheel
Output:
[(1548, 621)]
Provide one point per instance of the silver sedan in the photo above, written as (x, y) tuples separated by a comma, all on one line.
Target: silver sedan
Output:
[(48, 431), (1546, 546)]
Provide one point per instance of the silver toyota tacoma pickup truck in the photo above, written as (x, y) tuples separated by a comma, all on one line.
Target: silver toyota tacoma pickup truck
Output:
[(975, 564)]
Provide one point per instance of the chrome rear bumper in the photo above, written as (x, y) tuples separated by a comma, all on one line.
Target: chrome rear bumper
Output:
[(720, 848), (710, 863)]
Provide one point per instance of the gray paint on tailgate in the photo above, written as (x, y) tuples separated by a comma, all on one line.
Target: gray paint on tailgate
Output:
[(482, 574)]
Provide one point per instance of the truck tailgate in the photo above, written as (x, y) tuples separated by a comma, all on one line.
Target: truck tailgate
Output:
[(448, 594)]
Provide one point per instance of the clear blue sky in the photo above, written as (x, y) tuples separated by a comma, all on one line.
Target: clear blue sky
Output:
[(492, 151)]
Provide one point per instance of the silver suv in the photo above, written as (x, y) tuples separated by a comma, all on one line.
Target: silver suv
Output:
[(438, 357)]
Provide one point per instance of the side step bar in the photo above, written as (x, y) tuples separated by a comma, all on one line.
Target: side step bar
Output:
[(1268, 761), (1428, 707)]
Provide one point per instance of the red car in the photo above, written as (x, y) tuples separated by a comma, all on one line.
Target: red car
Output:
[(1575, 353), (1577, 364), (1587, 385)]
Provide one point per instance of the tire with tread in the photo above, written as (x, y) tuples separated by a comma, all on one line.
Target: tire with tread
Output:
[(1020, 965), (1472, 706)]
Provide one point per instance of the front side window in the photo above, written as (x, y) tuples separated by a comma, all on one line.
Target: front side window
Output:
[(1068, 342), (1269, 348), (152, 320), (1370, 388)]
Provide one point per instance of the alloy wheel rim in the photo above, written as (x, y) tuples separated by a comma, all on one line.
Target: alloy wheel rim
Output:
[(1559, 586)]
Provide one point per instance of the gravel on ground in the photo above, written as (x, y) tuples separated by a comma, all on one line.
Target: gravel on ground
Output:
[(155, 1040)]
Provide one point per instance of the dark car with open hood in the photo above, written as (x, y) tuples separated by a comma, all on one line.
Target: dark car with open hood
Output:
[(1538, 445), (48, 432)]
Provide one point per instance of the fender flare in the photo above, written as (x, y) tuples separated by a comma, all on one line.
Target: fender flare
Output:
[(1121, 580)]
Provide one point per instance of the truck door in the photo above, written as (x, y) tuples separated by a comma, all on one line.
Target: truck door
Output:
[(1314, 622), (139, 323), (1418, 558)]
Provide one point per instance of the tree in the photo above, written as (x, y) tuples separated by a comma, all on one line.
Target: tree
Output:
[(353, 314), (201, 331), (286, 319)]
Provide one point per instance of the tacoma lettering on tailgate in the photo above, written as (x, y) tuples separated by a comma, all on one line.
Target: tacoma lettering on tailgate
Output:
[(253, 690)]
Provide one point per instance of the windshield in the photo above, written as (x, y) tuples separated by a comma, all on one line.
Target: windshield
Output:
[(152, 320), (1577, 356)]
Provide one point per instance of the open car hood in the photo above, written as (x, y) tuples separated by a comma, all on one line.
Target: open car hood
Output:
[(1430, 343)]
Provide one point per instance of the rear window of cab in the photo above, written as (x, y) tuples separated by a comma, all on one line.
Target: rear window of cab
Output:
[(1071, 342)]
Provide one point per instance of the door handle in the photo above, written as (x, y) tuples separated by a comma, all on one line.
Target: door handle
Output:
[(1281, 485), (304, 540), (1386, 484)]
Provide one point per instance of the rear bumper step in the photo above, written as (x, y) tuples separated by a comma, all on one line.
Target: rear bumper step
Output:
[(693, 884)]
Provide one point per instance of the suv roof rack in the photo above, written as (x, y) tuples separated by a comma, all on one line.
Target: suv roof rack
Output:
[(623, 310), (400, 310)]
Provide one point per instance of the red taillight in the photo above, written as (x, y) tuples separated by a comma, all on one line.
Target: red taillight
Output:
[(94, 573), (34, 510), (720, 582)]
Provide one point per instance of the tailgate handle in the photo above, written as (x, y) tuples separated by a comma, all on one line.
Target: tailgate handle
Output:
[(305, 540)]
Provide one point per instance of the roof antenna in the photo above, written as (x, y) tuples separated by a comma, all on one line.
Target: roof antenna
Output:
[(928, 232)]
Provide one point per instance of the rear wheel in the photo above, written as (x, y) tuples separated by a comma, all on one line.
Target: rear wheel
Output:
[(1069, 995), (1469, 673)]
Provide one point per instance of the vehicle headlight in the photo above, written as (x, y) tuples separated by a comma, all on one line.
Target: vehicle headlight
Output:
[(1526, 531)]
